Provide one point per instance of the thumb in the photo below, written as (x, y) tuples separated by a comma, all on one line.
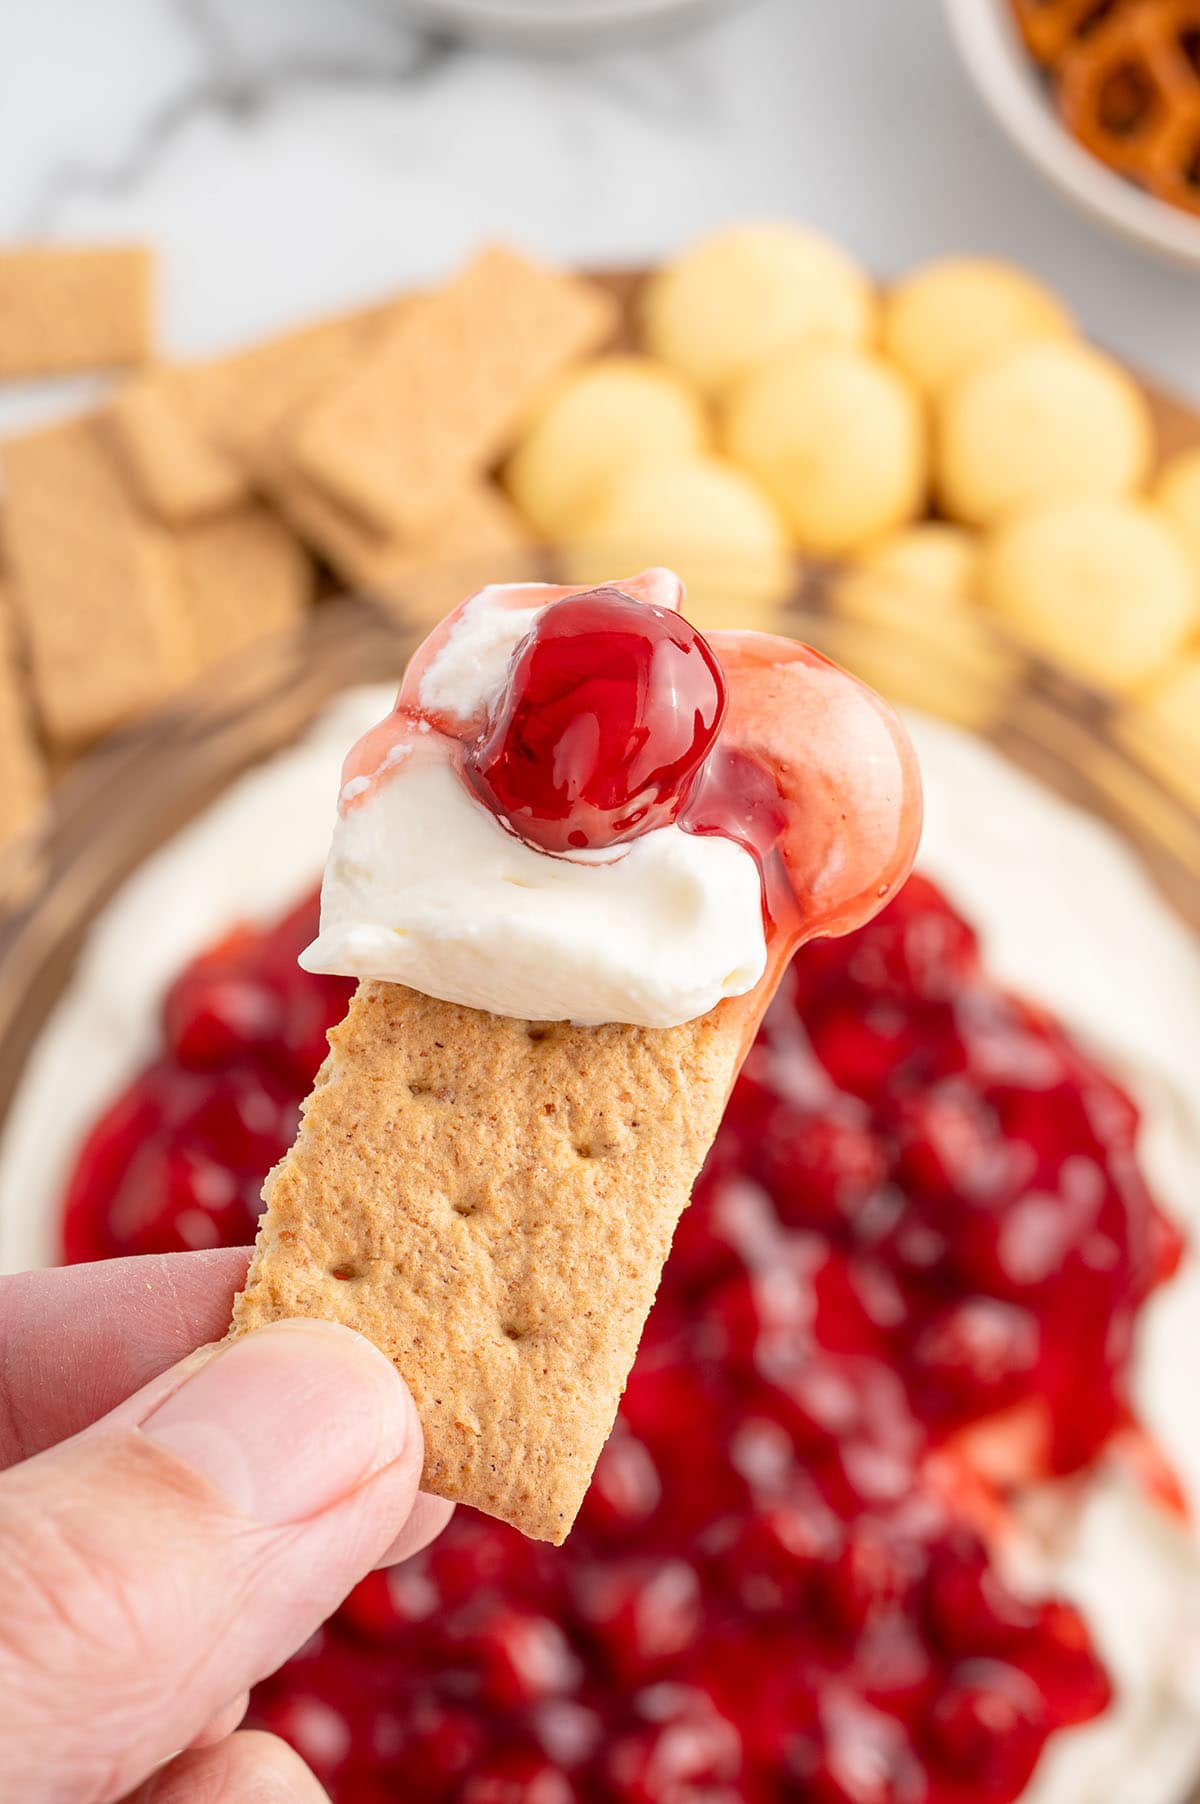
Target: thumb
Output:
[(170, 1556)]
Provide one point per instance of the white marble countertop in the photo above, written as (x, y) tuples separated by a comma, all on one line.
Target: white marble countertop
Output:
[(292, 155)]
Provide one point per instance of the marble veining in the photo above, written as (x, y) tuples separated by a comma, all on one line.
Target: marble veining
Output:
[(291, 156)]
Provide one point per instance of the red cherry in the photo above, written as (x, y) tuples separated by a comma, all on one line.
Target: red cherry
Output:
[(974, 1356), (516, 1777), (987, 1727), (521, 1657), (775, 1551), (820, 1166), (386, 1606), (640, 1612), (625, 1487), (610, 709), (867, 1759), (440, 1743), (685, 1748), (874, 1574), (210, 1015), (969, 1608)]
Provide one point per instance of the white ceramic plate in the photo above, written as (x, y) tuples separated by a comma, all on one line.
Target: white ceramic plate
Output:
[(1012, 87)]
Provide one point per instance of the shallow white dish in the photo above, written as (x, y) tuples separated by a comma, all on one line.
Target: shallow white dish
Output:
[(561, 24), (1015, 92)]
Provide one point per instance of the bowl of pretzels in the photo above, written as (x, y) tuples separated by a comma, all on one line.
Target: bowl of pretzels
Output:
[(1103, 97)]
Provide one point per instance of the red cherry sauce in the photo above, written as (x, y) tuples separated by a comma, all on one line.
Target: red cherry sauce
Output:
[(923, 1218)]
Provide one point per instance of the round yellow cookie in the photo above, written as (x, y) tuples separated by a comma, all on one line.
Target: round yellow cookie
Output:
[(950, 315), (743, 294), (1039, 420), (838, 437), (596, 421), (1101, 586), (912, 627), (1178, 491), (705, 519), (933, 558)]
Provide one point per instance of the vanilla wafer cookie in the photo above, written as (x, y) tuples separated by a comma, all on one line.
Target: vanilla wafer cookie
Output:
[(95, 584), (437, 397), (80, 308), (22, 772), (245, 578), (491, 1201)]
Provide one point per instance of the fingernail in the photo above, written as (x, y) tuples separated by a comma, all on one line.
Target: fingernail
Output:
[(288, 1421)]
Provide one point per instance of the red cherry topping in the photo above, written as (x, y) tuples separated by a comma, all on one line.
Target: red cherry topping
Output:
[(610, 709), (765, 1597)]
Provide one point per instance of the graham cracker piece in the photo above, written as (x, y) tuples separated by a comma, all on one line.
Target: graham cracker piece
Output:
[(178, 472), (22, 771), (436, 398), (94, 583), (77, 308), (491, 1201), (245, 578), (418, 580), (186, 431)]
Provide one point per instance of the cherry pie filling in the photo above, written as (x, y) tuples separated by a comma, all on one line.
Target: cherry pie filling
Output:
[(923, 1215)]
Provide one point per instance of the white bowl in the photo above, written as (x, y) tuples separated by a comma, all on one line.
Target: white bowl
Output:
[(561, 24), (1015, 91)]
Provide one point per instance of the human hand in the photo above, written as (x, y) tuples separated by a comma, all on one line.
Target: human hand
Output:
[(174, 1524)]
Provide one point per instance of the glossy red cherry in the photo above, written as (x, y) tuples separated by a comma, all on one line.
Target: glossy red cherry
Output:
[(640, 1612), (611, 707), (987, 1727), (516, 1777), (521, 1657), (683, 1748), (211, 1014)]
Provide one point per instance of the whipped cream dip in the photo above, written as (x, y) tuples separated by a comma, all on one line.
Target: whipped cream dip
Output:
[(425, 885)]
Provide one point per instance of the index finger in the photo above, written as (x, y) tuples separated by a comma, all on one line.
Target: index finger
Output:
[(78, 1340)]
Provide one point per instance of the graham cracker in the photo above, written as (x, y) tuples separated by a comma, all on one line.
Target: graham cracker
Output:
[(186, 431), (178, 472), (94, 584), (22, 771), (418, 580), (81, 308), (437, 396), (245, 578), (491, 1201)]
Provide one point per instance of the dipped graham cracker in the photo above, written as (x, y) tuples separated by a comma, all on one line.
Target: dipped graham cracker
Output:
[(434, 400), (95, 584), (491, 1201), (64, 309)]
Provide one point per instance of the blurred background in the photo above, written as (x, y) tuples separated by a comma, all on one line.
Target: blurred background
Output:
[(880, 320), (288, 159)]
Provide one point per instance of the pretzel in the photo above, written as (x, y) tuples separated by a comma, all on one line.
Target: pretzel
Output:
[(1175, 176), (1130, 91), (1050, 27)]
